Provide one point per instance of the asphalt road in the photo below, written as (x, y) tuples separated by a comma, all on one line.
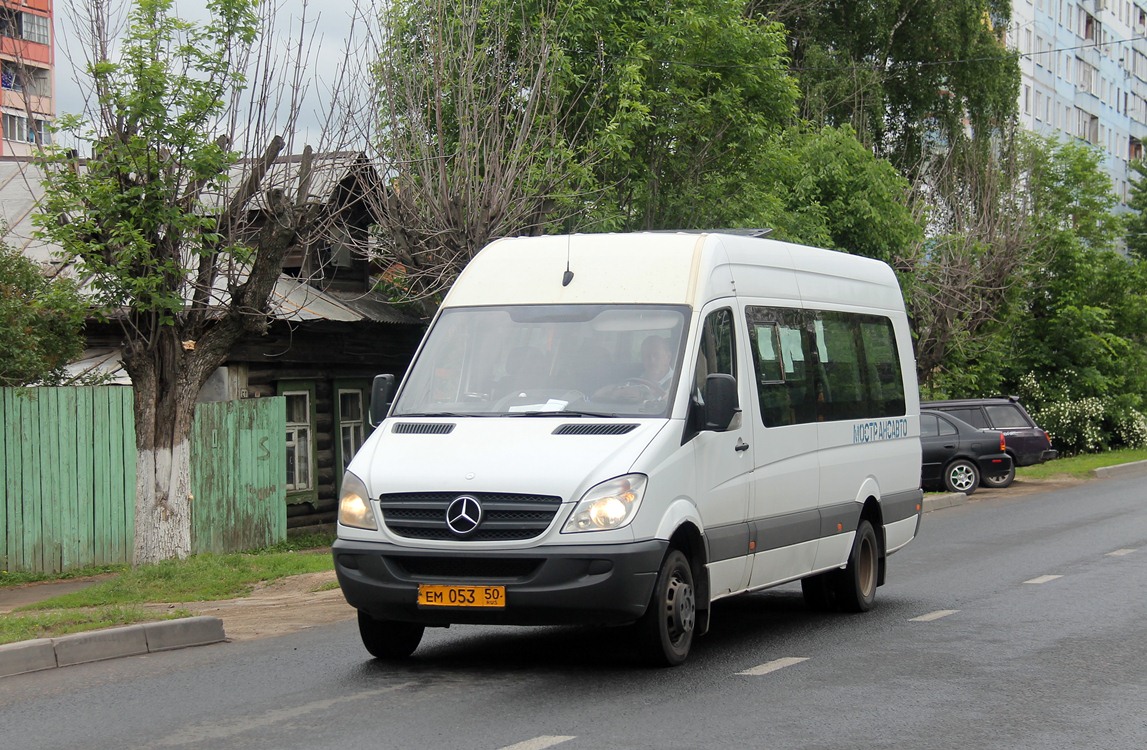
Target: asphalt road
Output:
[(1011, 622)]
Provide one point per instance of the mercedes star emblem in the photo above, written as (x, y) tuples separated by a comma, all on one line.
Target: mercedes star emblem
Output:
[(464, 514)]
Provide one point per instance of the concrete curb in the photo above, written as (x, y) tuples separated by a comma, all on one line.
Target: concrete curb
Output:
[(97, 645), (945, 500), (1133, 469)]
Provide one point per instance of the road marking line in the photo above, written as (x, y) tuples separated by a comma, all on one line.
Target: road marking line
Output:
[(1120, 552), (218, 734), (774, 665), (539, 743), (934, 615), (1043, 579)]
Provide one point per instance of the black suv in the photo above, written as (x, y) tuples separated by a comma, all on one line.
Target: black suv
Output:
[(1027, 443)]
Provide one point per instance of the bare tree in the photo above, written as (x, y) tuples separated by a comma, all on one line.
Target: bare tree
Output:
[(470, 133), (960, 280)]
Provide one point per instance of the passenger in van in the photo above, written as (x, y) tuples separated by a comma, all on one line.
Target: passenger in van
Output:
[(652, 383)]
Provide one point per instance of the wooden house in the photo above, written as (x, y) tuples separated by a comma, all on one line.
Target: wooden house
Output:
[(331, 330)]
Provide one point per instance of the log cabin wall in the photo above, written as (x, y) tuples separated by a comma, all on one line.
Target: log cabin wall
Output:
[(328, 367)]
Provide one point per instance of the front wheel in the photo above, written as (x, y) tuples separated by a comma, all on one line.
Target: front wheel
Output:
[(666, 629), (856, 585), (962, 476), (386, 639)]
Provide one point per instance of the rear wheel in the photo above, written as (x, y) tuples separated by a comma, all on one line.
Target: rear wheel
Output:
[(999, 481), (962, 476), (386, 639), (855, 588), (666, 629)]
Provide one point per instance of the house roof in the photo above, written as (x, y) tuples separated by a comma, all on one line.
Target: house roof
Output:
[(292, 299)]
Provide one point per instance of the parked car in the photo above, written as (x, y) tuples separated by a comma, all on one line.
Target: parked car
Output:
[(957, 455), (1028, 444)]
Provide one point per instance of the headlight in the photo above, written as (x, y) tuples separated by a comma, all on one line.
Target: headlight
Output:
[(354, 504), (609, 505)]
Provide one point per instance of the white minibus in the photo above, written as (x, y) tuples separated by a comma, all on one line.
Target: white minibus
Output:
[(621, 429)]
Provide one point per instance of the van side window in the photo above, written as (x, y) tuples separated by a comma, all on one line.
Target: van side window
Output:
[(817, 366), (783, 359)]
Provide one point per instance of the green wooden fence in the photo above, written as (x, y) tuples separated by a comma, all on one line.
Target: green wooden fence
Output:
[(67, 477), (239, 475)]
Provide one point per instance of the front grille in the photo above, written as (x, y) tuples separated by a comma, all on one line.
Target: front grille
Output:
[(463, 569), (505, 516)]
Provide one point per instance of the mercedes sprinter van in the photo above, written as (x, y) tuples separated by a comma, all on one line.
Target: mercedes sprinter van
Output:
[(621, 429)]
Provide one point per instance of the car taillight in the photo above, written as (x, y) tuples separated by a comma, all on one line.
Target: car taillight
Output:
[(1003, 443)]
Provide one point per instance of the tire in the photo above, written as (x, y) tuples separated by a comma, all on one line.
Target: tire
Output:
[(855, 589), (1000, 481), (665, 631), (386, 639), (818, 592), (962, 476)]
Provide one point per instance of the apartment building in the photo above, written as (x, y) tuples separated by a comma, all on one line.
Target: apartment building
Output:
[(1084, 75), (27, 75)]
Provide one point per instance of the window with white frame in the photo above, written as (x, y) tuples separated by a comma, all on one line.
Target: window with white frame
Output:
[(18, 25), (20, 128), (298, 440), (352, 425), (1085, 75), (35, 28)]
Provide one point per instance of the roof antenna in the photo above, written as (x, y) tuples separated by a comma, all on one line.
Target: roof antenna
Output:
[(567, 277)]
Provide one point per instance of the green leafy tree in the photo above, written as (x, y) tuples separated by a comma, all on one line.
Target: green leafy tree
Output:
[(175, 270), (685, 97), (910, 76), (41, 322)]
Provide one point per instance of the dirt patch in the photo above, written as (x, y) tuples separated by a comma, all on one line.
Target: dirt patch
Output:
[(1021, 487), (278, 607)]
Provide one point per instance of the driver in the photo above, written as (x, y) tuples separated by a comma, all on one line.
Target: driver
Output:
[(653, 382)]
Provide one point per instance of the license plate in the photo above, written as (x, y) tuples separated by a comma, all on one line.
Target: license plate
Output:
[(461, 596)]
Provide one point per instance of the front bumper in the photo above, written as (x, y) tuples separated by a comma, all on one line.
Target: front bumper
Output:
[(569, 584)]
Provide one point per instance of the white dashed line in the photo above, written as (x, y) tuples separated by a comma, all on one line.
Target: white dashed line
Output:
[(773, 666), (539, 743), (1043, 579), (1120, 552), (934, 615)]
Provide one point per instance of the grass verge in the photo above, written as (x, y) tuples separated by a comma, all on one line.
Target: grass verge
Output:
[(20, 627), (118, 598), (1082, 466)]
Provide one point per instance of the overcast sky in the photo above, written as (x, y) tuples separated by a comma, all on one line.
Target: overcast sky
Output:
[(329, 24)]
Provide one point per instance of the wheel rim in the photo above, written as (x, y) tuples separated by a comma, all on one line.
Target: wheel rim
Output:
[(866, 567), (680, 608), (962, 477)]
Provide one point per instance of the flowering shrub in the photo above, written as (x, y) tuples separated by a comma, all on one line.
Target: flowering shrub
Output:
[(1075, 426)]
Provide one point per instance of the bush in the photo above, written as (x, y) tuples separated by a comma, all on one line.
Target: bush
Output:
[(1091, 425)]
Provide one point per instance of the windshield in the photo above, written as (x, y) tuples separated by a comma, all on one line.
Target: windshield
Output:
[(548, 360)]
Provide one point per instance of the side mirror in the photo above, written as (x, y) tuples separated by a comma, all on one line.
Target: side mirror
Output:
[(721, 406), (381, 392)]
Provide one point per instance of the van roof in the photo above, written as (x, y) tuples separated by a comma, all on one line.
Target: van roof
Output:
[(668, 268)]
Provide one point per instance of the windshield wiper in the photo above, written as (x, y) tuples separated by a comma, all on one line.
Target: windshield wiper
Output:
[(449, 414), (558, 413)]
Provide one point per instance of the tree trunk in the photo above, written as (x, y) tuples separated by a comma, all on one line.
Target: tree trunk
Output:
[(166, 382)]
